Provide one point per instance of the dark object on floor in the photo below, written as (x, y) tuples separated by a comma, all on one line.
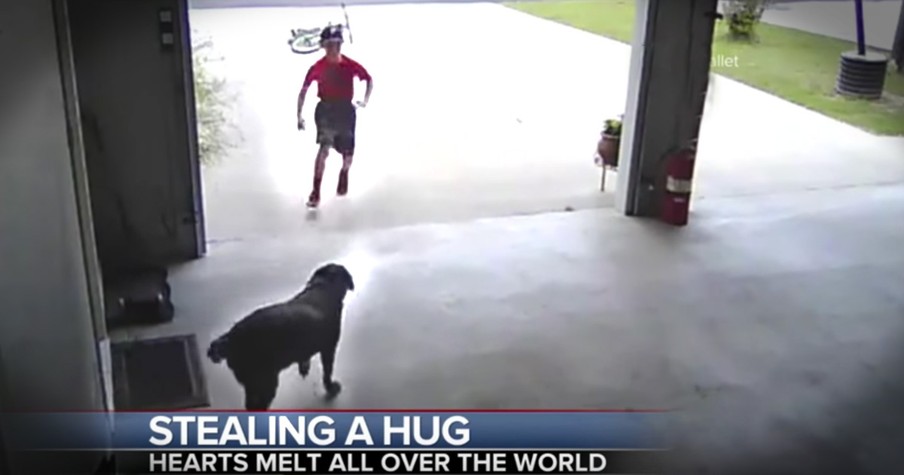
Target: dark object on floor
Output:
[(274, 337), (158, 374), (140, 296)]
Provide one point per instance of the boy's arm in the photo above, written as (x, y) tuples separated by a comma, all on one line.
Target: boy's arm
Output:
[(301, 96), (368, 90), (308, 79), (366, 77)]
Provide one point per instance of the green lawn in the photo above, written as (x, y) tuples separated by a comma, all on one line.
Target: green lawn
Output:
[(791, 64)]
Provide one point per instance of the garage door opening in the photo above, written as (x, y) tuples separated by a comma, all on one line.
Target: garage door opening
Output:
[(478, 111)]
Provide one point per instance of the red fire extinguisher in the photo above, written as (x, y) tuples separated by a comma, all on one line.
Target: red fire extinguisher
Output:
[(679, 172)]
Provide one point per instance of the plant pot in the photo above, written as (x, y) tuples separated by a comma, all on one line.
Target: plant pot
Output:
[(608, 149)]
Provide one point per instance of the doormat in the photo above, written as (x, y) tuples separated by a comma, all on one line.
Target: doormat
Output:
[(158, 374)]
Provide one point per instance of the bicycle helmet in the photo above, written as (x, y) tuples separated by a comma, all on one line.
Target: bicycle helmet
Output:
[(330, 34)]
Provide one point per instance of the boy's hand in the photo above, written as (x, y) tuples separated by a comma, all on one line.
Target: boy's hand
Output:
[(361, 104), (300, 123)]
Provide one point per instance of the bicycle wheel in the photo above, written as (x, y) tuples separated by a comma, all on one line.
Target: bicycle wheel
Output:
[(305, 41)]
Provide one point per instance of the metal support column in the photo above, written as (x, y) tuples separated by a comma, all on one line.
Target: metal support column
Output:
[(669, 75)]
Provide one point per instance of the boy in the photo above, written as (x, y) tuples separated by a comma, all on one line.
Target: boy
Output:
[(335, 115)]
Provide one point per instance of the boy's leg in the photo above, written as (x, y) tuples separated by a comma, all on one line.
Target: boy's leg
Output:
[(345, 144), (325, 138), (342, 188), (348, 153), (319, 166)]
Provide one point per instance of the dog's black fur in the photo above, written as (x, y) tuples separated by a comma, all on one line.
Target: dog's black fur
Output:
[(272, 338)]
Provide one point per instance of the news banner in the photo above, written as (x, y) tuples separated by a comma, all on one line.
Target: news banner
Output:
[(359, 442)]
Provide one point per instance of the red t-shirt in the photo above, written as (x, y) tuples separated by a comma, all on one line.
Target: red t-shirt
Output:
[(336, 81)]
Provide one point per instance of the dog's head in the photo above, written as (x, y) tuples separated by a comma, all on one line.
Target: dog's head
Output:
[(334, 274)]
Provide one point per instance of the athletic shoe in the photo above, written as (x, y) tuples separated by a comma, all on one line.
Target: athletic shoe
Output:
[(314, 199)]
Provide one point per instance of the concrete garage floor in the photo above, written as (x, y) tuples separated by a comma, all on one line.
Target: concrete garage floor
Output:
[(774, 323)]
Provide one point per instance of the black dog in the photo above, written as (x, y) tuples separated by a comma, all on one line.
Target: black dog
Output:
[(272, 338)]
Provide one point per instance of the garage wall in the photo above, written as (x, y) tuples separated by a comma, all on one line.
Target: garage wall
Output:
[(47, 338), (136, 103), (46, 326), (48, 354)]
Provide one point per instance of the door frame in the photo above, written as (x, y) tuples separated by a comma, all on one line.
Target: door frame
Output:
[(93, 276), (185, 51)]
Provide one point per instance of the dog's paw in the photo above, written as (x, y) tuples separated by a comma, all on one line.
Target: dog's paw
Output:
[(333, 389), (304, 368)]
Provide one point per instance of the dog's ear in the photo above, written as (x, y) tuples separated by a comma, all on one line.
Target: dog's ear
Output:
[(349, 282), (341, 274)]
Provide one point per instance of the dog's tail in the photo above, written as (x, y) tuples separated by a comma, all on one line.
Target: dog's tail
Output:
[(219, 349)]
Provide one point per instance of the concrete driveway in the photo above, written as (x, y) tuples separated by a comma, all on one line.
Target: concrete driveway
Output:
[(482, 111), (459, 127)]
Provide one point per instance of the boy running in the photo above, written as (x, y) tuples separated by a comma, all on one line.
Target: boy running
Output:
[(335, 115)]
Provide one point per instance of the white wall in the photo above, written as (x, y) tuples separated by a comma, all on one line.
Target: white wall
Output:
[(46, 333)]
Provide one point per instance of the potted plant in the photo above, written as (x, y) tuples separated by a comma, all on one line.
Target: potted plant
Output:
[(608, 146)]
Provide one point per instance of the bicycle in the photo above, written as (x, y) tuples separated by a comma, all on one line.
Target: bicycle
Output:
[(307, 40)]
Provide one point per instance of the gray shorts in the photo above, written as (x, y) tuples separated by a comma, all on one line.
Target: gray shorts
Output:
[(335, 121)]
